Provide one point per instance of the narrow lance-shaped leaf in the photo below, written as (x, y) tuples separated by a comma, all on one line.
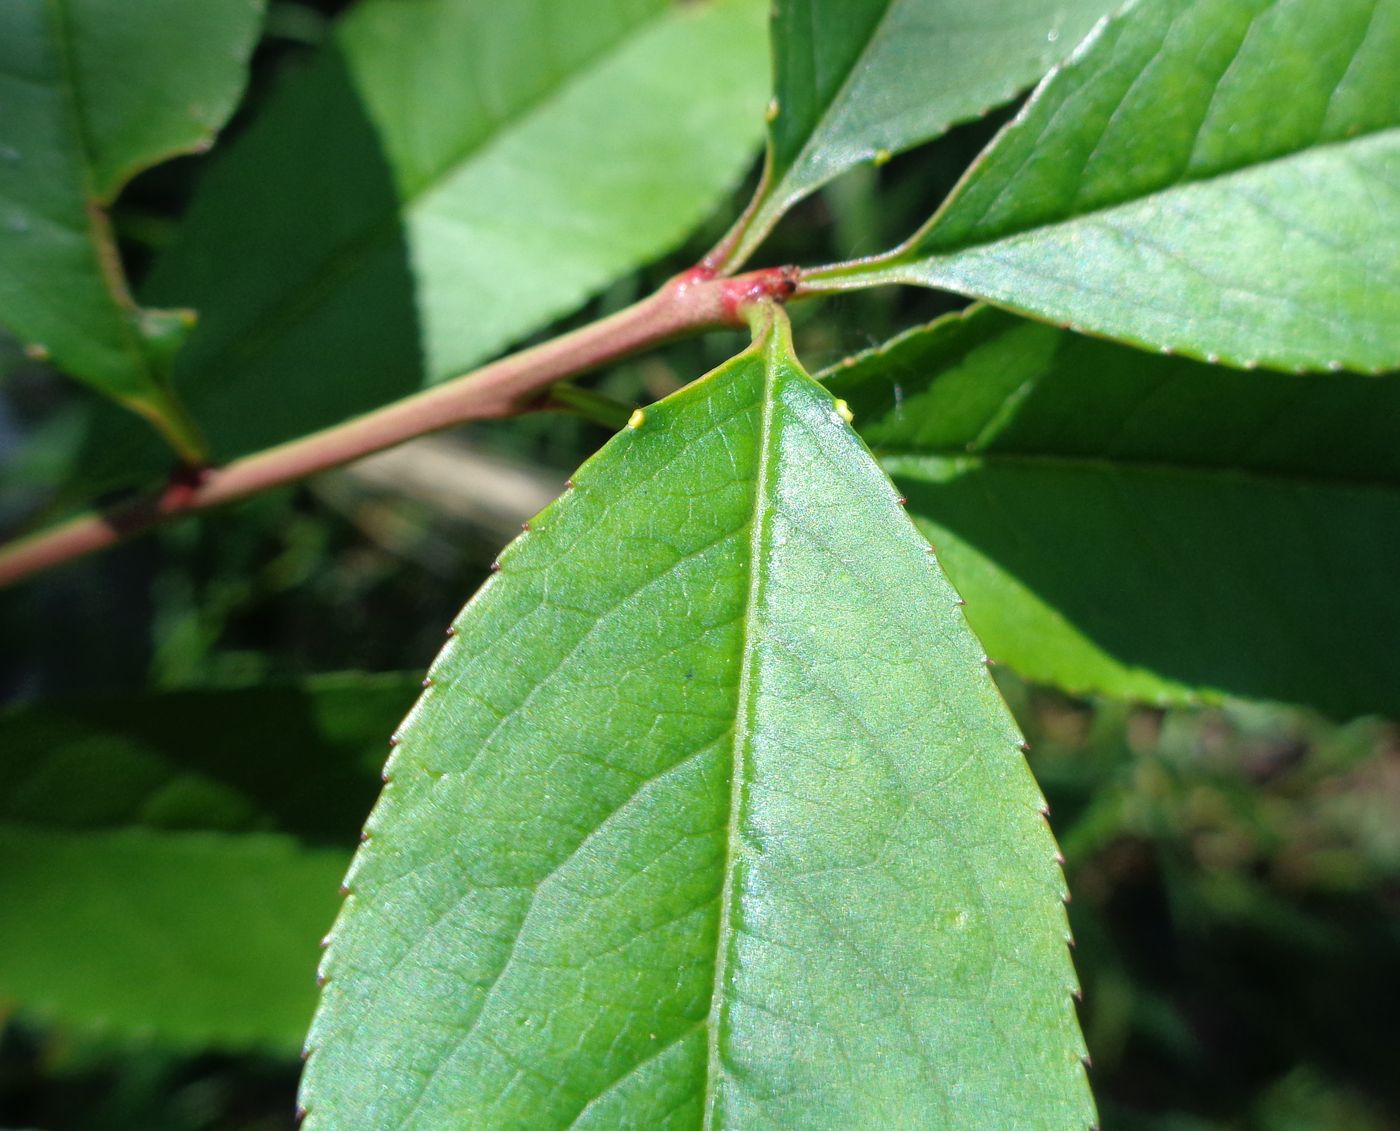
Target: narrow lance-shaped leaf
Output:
[(1215, 177), (444, 180), (712, 817), (862, 80), (94, 92), (1148, 526), (168, 862)]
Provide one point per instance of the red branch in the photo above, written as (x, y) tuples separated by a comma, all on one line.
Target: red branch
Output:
[(693, 301)]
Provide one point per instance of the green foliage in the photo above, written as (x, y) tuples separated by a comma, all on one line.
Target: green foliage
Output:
[(1214, 177), (93, 93), (155, 886), (562, 146), (711, 815), (1138, 525), (711, 799), (862, 80)]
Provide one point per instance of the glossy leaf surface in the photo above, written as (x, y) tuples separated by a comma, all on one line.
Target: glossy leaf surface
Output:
[(712, 818), (1147, 526), (170, 860), (94, 92), (861, 80), (1215, 177), (444, 180)]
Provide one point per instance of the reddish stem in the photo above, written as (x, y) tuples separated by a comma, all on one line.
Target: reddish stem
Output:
[(693, 301)]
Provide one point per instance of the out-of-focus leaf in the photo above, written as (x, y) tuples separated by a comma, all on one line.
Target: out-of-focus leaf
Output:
[(93, 92), (157, 873), (711, 818), (1148, 526), (445, 179), (861, 80), (205, 939), (1215, 177)]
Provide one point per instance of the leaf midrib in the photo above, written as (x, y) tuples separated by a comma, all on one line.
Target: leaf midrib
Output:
[(909, 255), (95, 228), (747, 703)]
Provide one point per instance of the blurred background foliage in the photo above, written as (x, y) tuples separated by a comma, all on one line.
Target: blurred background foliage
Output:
[(1235, 867)]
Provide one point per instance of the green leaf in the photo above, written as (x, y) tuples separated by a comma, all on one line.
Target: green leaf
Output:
[(93, 93), (862, 80), (1215, 177), (444, 180), (159, 874), (711, 817), (200, 939), (1147, 526)]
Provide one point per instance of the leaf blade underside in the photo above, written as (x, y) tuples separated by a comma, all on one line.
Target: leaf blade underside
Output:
[(711, 817)]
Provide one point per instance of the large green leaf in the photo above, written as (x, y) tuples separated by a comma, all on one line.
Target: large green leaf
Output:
[(861, 80), (445, 179), (1148, 526), (93, 92), (711, 817), (156, 877), (1216, 177)]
